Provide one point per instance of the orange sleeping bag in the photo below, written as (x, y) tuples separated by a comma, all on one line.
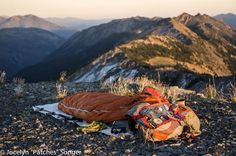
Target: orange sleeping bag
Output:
[(102, 107)]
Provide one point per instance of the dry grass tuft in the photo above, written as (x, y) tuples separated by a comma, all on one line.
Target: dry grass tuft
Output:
[(133, 86), (60, 88), (145, 82), (120, 87), (19, 89), (2, 76), (172, 93), (62, 77), (18, 80), (130, 87), (61, 91), (210, 91)]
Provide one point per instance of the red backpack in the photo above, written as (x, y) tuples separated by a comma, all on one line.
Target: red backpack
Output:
[(157, 119)]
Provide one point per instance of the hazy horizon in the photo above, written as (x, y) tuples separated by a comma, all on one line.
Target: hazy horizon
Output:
[(110, 9)]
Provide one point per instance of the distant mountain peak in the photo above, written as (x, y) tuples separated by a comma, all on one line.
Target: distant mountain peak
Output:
[(156, 18), (22, 17), (138, 18), (184, 17), (26, 21), (228, 18), (135, 18), (226, 14), (203, 15), (30, 15), (198, 14), (185, 14)]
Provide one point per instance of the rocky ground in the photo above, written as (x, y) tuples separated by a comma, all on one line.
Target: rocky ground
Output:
[(24, 131)]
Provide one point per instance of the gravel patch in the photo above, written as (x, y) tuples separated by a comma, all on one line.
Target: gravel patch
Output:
[(24, 130)]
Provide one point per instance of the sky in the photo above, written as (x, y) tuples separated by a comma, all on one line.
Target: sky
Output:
[(98, 9)]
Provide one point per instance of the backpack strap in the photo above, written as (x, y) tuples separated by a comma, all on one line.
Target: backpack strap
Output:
[(150, 91)]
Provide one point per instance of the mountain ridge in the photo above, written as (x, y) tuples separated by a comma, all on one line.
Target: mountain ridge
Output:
[(76, 23), (94, 40), (27, 21), (32, 21), (2, 19), (228, 18), (192, 34)]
